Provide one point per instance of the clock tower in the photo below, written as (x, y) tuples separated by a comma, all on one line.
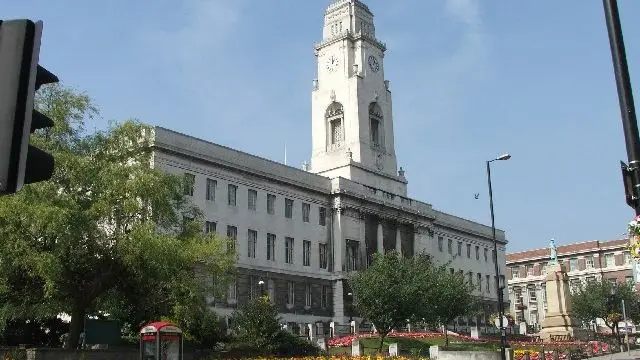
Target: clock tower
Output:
[(352, 121)]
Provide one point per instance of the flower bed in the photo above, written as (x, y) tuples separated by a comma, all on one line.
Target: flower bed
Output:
[(347, 357), (564, 349)]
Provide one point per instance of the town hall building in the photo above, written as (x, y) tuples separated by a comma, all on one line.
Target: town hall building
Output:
[(300, 232)]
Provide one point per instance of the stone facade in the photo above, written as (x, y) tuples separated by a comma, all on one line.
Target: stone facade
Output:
[(526, 271), (300, 232)]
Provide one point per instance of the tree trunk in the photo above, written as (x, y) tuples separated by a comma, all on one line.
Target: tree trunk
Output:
[(75, 328), (382, 337), (446, 337), (618, 335)]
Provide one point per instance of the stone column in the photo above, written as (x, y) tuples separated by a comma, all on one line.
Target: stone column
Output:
[(380, 237), (338, 302), (338, 246), (399, 240)]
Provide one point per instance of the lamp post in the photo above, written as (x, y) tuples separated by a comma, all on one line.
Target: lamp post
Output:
[(612, 300), (499, 288), (261, 284), (631, 172)]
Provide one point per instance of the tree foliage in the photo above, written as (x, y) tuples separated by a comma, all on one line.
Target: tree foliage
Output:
[(602, 299), (454, 297), (394, 290), (106, 232), (257, 323)]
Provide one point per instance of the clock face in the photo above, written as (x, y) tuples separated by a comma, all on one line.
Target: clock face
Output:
[(332, 63), (374, 65), (380, 162)]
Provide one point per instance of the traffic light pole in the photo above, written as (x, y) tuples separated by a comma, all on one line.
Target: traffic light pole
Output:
[(627, 108)]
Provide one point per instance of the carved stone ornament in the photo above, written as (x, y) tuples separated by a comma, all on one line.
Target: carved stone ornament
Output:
[(375, 96), (401, 172), (332, 96), (349, 154), (350, 212), (422, 230)]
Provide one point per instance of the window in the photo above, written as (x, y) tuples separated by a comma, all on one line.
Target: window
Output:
[(211, 189), (210, 227), (271, 247), (375, 124), (291, 292), (271, 289), (232, 233), (588, 260), (440, 245), (573, 264), (307, 295), (353, 248), (533, 297), (233, 292), (450, 246), (468, 251), (322, 255), (470, 278), (189, 183), (493, 256), (375, 131), (627, 258), (231, 193), (459, 248), (478, 253), (543, 268), (322, 216), (324, 298), (252, 238), (288, 208), (252, 199), (488, 283), (609, 260), (529, 269), (288, 250), (486, 255), (271, 204), (253, 284), (515, 272), (479, 282), (306, 253), (306, 209)]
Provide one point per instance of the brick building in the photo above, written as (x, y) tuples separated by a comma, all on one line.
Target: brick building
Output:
[(583, 261)]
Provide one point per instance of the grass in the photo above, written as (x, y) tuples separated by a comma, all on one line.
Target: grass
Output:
[(413, 346)]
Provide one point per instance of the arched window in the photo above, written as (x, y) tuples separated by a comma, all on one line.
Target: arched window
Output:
[(376, 125), (335, 124)]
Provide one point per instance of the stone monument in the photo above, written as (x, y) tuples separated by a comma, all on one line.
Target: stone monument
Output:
[(559, 320)]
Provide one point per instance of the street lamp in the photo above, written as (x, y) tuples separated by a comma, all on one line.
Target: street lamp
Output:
[(261, 284), (503, 332)]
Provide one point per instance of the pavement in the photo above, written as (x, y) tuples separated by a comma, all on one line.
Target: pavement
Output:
[(633, 355)]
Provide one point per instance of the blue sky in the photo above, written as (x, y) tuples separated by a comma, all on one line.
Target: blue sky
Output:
[(470, 80)]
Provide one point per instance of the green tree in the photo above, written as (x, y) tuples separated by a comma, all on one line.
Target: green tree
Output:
[(391, 291), (602, 299), (454, 297), (106, 225), (257, 324)]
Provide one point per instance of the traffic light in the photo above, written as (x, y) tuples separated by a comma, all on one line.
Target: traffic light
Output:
[(20, 162)]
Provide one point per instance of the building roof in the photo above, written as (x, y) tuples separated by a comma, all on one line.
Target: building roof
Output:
[(587, 246)]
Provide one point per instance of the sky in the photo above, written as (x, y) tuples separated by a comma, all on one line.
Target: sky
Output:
[(470, 80)]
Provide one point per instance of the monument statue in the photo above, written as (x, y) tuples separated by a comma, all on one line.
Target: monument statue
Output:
[(554, 252), (559, 319)]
